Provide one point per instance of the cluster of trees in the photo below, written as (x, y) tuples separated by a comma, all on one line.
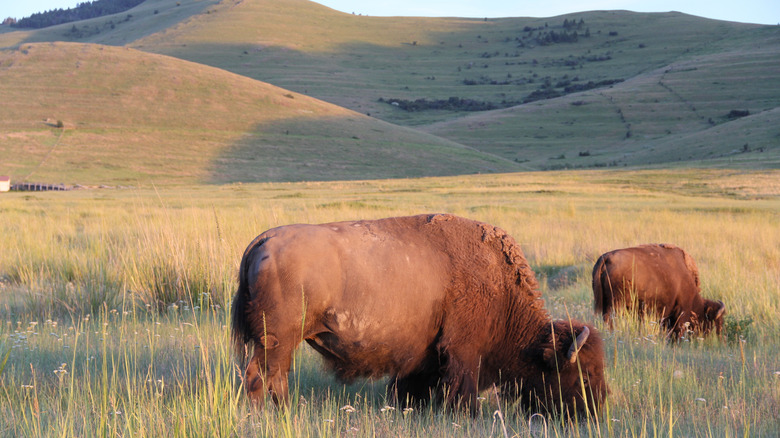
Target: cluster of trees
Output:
[(553, 37), (547, 91), (82, 11), (571, 33), (574, 24), (550, 92), (451, 104)]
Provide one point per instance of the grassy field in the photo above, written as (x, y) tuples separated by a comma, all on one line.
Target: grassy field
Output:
[(114, 304), (643, 90)]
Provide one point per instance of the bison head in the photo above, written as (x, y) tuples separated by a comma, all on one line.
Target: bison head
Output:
[(572, 370), (714, 312)]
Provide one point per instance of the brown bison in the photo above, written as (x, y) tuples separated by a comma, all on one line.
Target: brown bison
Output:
[(446, 306), (659, 279)]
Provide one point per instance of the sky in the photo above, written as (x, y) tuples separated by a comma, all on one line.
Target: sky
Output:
[(747, 11)]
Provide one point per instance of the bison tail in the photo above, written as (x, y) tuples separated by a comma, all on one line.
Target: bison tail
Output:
[(240, 323), (602, 289)]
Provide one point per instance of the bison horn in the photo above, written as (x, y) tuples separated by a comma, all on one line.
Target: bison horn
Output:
[(721, 310), (577, 344)]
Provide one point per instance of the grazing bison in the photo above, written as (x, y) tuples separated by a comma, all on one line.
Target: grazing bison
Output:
[(444, 305), (662, 279)]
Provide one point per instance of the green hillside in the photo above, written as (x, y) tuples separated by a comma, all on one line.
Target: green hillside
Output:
[(93, 114), (700, 111), (149, 17), (592, 89), (633, 89)]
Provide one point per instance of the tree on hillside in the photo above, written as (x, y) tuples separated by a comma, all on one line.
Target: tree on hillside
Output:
[(82, 11)]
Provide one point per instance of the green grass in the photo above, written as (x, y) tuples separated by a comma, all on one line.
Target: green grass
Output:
[(114, 303)]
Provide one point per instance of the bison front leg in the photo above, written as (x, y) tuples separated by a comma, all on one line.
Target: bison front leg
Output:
[(461, 383), (267, 373), (414, 389)]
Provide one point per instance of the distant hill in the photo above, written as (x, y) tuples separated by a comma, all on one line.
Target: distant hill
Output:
[(92, 114), (83, 11), (592, 89), (720, 109)]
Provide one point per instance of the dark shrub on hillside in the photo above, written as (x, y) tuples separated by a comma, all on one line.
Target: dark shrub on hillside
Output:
[(82, 11), (735, 114), (451, 104)]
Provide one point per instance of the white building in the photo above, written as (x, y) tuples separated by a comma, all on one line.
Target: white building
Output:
[(5, 183)]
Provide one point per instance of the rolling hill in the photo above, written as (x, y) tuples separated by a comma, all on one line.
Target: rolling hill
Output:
[(592, 89), (94, 114)]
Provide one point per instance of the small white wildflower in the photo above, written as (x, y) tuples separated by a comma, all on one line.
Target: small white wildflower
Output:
[(701, 399), (408, 410), (387, 408), (455, 425), (328, 420), (348, 409)]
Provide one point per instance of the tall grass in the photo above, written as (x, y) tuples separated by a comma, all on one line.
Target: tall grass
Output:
[(114, 305)]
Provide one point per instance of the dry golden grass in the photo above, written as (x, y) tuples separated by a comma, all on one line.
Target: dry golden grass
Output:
[(119, 298)]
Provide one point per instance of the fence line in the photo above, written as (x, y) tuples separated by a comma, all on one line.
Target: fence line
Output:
[(38, 187)]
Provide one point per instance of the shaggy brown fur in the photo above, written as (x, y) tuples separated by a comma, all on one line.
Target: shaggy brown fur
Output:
[(445, 305), (659, 279)]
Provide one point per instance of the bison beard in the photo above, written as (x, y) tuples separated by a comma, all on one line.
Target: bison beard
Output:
[(446, 306)]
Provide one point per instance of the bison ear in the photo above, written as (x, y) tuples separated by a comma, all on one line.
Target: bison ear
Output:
[(269, 342), (577, 344)]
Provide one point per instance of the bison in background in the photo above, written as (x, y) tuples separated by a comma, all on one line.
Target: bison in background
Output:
[(659, 279), (446, 306)]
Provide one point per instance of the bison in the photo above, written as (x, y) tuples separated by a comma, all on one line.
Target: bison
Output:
[(444, 305), (662, 279)]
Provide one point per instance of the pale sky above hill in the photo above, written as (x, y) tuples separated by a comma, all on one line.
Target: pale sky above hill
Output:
[(748, 11)]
